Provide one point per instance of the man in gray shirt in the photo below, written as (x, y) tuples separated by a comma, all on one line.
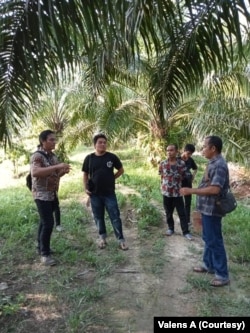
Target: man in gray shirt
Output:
[(214, 182)]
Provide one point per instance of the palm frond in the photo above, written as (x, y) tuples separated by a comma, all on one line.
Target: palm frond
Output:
[(206, 39), (225, 112), (41, 38)]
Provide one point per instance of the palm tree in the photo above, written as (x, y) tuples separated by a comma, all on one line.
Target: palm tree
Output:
[(222, 108), (184, 39), (56, 107)]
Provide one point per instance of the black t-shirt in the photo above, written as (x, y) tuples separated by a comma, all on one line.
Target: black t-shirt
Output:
[(101, 171), (190, 164)]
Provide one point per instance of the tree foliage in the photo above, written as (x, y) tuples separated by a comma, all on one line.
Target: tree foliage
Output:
[(181, 42)]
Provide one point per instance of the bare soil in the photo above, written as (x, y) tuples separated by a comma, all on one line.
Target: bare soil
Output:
[(134, 294)]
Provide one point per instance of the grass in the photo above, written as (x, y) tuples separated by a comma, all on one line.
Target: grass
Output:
[(80, 283), (236, 232)]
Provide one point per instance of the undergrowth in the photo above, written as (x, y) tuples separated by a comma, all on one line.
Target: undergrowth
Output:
[(79, 255)]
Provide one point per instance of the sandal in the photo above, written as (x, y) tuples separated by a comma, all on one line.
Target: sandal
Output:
[(102, 244), (123, 246), (201, 269), (219, 283)]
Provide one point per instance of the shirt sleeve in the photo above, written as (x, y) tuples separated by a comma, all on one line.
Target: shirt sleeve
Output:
[(117, 163), (85, 165), (218, 176)]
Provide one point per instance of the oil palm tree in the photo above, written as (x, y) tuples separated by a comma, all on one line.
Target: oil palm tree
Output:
[(222, 107), (186, 40)]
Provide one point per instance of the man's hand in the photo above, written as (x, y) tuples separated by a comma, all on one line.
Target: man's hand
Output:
[(63, 168), (185, 191)]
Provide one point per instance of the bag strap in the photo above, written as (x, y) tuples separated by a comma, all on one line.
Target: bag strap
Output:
[(44, 154)]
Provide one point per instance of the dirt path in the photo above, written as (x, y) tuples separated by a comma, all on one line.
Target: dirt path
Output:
[(135, 294)]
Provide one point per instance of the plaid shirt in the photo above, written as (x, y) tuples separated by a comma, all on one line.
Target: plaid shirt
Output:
[(216, 174), (171, 177)]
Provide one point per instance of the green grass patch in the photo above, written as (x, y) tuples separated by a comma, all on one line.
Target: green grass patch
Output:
[(79, 282)]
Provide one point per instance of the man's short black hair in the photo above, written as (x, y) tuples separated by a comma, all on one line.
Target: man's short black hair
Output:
[(174, 145), (189, 147), (98, 136), (44, 135), (214, 140)]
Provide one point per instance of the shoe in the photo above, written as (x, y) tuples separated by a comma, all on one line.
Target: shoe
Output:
[(123, 246), (48, 261), (59, 228), (201, 269), (189, 237), (169, 232), (219, 283)]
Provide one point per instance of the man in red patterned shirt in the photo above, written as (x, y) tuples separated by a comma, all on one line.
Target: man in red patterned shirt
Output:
[(172, 172)]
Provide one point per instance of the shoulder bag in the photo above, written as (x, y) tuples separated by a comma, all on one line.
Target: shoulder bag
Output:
[(226, 203)]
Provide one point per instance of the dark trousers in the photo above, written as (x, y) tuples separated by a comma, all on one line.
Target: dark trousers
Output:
[(45, 210), (169, 204), (187, 201), (57, 212)]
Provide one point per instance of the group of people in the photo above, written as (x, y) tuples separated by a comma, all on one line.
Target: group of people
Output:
[(46, 171), (100, 171)]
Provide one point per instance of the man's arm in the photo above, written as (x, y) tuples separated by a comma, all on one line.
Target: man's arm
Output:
[(209, 190), (119, 172), (195, 169), (85, 181), (43, 172)]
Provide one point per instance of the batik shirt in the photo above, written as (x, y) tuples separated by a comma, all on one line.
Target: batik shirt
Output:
[(45, 188), (171, 177)]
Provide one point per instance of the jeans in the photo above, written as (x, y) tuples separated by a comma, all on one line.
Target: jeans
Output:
[(169, 204), (214, 256), (109, 202), (45, 210)]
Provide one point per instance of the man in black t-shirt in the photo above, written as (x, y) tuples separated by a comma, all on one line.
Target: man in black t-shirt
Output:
[(99, 167), (189, 149)]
